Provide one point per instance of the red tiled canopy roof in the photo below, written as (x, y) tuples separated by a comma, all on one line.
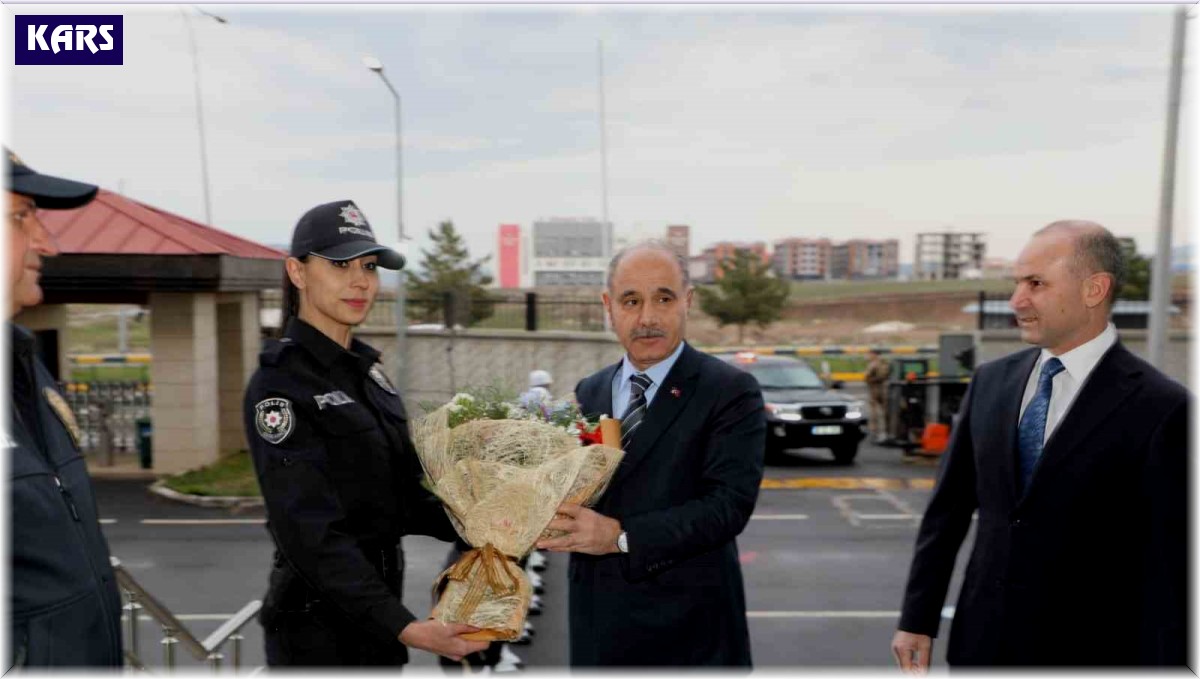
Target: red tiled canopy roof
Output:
[(114, 224)]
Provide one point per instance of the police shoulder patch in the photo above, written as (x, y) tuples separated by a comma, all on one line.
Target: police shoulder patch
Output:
[(274, 419), (59, 405), (384, 383)]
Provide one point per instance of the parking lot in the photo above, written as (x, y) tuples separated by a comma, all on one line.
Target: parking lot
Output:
[(825, 557)]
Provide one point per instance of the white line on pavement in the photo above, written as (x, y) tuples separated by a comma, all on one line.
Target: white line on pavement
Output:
[(947, 612), (822, 614), (779, 517), (203, 521), (107, 522), (885, 517)]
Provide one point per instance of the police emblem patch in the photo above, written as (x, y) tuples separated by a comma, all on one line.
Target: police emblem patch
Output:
[(381, 379), (352, 215), (274, 419), (59, 405)]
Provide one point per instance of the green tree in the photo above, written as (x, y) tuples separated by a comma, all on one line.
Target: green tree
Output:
[(448, 268), (745, 293), (1137, 272)]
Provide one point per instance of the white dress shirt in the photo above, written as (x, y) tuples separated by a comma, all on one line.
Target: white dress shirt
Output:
[(1078, 363), (657, 373)]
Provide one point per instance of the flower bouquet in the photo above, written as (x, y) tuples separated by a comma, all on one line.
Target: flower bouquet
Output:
[(501, 470)]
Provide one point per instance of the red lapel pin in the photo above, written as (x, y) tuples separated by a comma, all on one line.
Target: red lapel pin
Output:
[(675, 392)]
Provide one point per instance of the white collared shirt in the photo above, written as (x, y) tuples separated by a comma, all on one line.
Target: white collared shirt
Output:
[(1078, 363), (657, 373)]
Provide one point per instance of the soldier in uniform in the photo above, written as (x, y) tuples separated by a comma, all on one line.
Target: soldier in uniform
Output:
[(63, 603), (876, 378), (340, 477)]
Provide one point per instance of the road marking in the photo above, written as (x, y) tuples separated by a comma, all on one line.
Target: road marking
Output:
[(845, 483), (203, 521), (822, 614), (778, 517), (947, 612), (850, 507), (107, 522)]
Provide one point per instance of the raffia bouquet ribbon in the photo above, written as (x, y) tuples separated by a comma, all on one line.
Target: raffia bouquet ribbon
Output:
[(483, 575), (501, 482)]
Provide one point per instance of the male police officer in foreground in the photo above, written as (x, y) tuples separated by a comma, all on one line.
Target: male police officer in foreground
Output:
[(63, 601)]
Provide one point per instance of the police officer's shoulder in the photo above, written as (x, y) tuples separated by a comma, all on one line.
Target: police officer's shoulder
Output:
[(275, 350)]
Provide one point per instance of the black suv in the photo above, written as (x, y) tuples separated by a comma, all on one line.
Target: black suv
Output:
[(801, 411)]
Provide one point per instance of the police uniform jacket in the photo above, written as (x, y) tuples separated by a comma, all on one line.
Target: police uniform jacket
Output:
[(341, 482), (63, 600)]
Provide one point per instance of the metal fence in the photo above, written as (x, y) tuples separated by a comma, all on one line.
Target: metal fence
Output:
[(107, 414), (507, 310)]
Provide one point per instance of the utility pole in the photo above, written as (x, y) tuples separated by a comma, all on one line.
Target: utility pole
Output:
[(1160, 282)]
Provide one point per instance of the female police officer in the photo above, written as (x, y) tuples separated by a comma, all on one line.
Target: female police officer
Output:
[(330, 442)]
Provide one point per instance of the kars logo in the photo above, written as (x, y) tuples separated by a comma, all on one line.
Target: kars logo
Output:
[(353, 215), (274, 420), (68, 40)]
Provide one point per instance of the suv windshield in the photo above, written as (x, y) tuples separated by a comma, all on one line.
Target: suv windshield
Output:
[(785, 376)]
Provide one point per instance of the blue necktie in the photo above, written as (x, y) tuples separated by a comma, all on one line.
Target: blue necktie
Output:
[(636, 410), (1032, 430)]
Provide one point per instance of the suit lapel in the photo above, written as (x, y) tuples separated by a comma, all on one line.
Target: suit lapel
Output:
[(599, 399), (1106, 388), (1012, 392), (669, 401)]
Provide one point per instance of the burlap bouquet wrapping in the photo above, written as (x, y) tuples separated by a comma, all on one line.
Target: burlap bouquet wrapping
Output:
[(501, 482)]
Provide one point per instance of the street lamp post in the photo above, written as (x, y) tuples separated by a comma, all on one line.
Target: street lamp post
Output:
[(199, 104), (400, 368), (1160, 279)]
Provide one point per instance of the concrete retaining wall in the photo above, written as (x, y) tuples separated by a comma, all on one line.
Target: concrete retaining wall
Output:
[(442, 363)]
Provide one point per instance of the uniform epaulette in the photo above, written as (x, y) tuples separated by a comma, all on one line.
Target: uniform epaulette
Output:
[(274, 350)]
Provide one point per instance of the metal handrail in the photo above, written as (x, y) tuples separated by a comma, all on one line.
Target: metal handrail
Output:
[(174, 632)]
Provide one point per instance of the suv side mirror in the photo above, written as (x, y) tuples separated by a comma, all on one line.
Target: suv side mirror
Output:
[(836, 384)]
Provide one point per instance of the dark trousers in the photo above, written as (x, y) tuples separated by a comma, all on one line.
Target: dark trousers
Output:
[(310, 639)]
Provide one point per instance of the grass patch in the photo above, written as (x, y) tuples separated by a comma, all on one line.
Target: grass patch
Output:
[(823, 290), (232, 475), (110, 372)]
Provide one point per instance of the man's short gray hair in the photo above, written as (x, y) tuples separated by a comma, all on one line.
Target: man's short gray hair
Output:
[(1096, 251), (656, 245)]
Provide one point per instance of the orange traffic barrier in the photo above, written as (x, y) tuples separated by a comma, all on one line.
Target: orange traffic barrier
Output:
[(935, 438)]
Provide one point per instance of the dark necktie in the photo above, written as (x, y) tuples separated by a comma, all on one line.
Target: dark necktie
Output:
[(1032, 431), (636, 410)]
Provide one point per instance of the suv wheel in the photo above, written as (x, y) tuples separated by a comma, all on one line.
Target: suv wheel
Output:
[(845, 453), (774, 452)]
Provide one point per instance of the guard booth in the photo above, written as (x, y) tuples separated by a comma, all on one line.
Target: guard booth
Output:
[(201, 287), (918, 396)]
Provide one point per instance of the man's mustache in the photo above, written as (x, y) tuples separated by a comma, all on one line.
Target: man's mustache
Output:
[(641, 333)]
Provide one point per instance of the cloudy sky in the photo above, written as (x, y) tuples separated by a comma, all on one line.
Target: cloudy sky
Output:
[(748, 123)]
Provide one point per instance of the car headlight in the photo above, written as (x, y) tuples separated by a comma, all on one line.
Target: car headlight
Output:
[(787, 412), (854, 410)]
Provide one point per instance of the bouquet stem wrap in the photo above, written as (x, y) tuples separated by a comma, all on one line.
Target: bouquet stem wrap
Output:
[(501, 482)]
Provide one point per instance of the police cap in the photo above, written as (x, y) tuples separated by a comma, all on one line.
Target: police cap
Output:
[(339, 231)]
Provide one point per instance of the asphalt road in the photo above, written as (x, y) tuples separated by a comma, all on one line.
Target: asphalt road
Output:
[(825, 558)]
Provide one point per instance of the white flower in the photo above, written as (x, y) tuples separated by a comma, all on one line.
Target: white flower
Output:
[(454, 408), (462, 398), (604, 417)]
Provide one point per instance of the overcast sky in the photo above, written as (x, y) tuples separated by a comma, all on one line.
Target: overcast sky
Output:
[(745, 123)]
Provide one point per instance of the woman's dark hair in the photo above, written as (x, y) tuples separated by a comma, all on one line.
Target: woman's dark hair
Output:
[(291, 296)]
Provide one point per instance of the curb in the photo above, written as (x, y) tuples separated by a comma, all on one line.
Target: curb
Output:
[(229, 501)]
